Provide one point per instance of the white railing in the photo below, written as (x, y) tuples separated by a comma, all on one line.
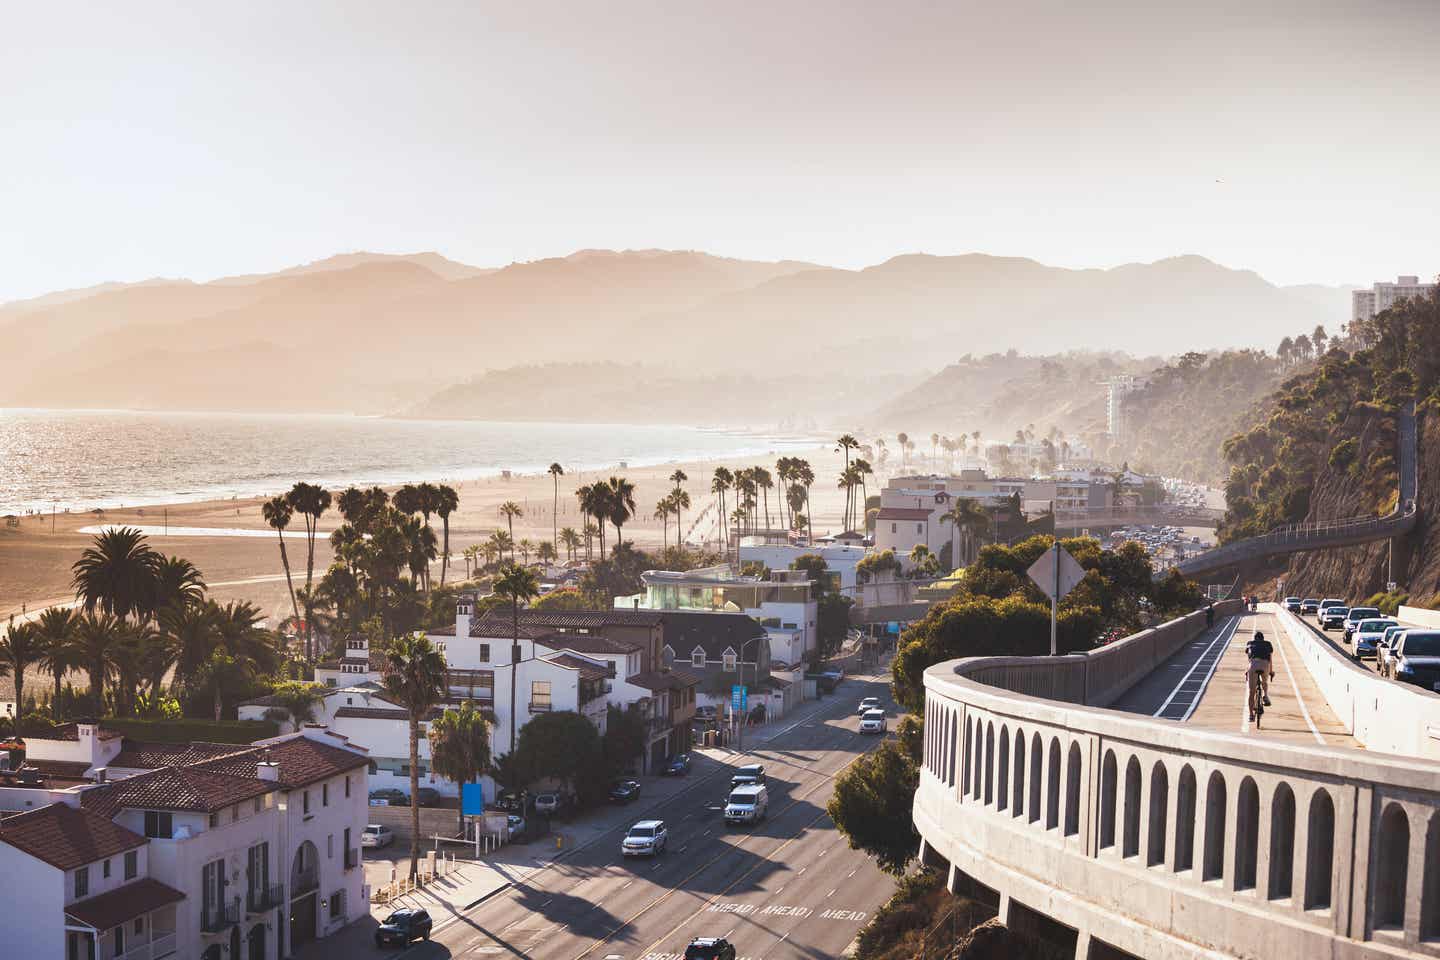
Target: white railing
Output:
[(1162, 839)]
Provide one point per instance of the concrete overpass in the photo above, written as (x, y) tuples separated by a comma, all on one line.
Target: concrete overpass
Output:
[(1121, 801), (1105, 518)]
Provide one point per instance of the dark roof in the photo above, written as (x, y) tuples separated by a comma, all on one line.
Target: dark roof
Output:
[(654, 680), (493, 628), (151, 756), (374, 661), (902, 513), (713, 632), (302, 760), (588, 669), (66, 837), (177, 788), (60, 769), (109, 910), (581, 619), (588, 643), (70, 731), (373, 713)]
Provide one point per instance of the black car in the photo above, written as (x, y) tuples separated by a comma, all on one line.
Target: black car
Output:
[(403, 926), (678, 766), (623, 791), (506, 800), (429, 796), (393, 796), (710, 948)]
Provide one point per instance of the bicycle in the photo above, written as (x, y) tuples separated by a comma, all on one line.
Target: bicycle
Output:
[(1255, 684)]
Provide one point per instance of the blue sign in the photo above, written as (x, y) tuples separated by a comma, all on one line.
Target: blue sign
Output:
[(739, 698), (472, 799)]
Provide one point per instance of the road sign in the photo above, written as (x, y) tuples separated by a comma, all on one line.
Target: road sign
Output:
[(472, 800), (1051, 562), (739, 699)]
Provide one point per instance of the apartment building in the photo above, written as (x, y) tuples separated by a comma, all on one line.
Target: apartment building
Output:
[(1364, 304), (778, 553)]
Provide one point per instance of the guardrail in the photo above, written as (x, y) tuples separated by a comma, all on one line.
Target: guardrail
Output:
[(1157, 838)]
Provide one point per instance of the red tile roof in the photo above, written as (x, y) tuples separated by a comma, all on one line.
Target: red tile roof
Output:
[(493, 628), (588, 643), (70, 732), (302, 761), (592, 618), (654, 680), (588, 669), (150, 756), (66, 837), (109, 910), (902, 513), (190, 788)]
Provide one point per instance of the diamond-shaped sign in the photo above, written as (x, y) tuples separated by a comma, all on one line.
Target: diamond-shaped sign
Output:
[(1043, 572)]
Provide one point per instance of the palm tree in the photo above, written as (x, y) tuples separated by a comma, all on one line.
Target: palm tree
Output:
[(177, 583), (863, 470), (622, 503), (238, 624), (97, 642), (407, 499), (545, 551), (718, 485), (585, 496), (678, 478), (805, 476), (414, 678), (516, 584), (133, 653), (510, 510), (592, 533), (501, 543), (116, 574), (783, 468), (192, 635), (277, 512), (297, 700), (556, 472), (154, 658), (472, 558), (766, 483), (460, 746), (662, 513), (904, 441), (58, 627), (964, 515), (527, 547), (446, 502), (422, 545), (22, 647), (311, 502), (571, 540)]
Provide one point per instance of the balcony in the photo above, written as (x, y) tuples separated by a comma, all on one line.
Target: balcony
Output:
[(162, 945), (352, 858), (265, 898), (303, 881), (215, 917), (540, 706)]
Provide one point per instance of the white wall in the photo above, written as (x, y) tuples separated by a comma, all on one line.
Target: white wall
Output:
[(35, 902), (778, 556), (1420, 617), (325, 827)]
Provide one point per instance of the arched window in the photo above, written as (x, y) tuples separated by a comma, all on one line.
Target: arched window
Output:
[(1213, 867), (1159, 802), (979, 772), (1052, 786), (1072, 791), (1037, 765), (965, 763), (1108, 788), (1247, 835), (1132, 809), (1002, 785), (1185, 820), (1282, 843), (989, 762), (1392, 864), (1430, 891), (1017, 799), (952, 748), (1319, 851)]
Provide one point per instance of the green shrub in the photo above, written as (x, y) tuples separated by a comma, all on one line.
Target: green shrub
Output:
[(1389, 603), (1343, 453), (190, 729)]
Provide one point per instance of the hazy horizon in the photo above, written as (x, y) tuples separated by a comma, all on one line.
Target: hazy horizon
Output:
[(163, 142)]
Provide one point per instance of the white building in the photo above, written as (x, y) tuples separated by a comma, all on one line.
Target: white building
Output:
[(778, 553), (1364, 304), (1118, 388)]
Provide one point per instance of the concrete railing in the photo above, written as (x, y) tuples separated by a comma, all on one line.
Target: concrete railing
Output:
[(1148, 838), (1420, 617), (1380, 714)]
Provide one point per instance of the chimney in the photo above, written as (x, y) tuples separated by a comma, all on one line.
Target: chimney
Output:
[(267, 769), (102, 774), (463, 607)]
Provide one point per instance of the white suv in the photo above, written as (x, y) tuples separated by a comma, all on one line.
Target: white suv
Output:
[(646, 837), (873, 722), (747, 804)]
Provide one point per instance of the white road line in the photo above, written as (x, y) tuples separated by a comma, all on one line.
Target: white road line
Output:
[(1205, 684), (1193, 667), (831, 894), (850, 874), (802, 870), (1304, 711), (781, 890)]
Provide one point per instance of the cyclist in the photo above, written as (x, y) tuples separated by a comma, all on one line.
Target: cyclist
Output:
[(1210, 615), (1260, 653)]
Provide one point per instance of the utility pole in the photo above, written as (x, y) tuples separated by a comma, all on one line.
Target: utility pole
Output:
[(1055, 599)]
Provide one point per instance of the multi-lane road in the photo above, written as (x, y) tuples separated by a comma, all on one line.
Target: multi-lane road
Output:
[(789, 887)]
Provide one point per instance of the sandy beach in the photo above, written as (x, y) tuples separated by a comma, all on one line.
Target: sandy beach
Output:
[(35, 557)]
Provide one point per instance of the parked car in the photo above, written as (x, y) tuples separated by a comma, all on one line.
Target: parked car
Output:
[(869, 703), (678, 766), (623, 791), (376, 835), (710, 714), (1385, 650), (389, 796), (506, 800), (1356, 615), (428, 796), (873, 722), (403, 926), (646, 837), (1309, 605), (1417, 659), (515, 824), (710, 948), (1333, 618), (1367, 636), (747, 804), (551, 803)]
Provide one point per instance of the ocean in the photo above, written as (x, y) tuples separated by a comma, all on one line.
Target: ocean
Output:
[(82, 459)]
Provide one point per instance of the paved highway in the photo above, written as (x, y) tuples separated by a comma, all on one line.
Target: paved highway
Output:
[(787, 888)]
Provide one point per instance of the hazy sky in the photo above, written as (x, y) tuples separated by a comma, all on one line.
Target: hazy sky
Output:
[(141, 139)]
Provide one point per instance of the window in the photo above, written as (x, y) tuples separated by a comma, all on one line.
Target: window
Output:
[(105, 870), (347, 784), (214, 820), (259, 802), (82, 882), (258, 869), (159, 823), (212, 885), (305, 801), (132, 865), (345, 845), (697, 657), (139, 926), (484, 653), (730, 661), (337, 904), (539, 694), (330, 845), (919, 528), (235, 813), (324, 794), (893, 528), (374, 768)]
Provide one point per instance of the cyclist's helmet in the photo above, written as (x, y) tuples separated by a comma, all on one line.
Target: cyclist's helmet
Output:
[(1259, 635)]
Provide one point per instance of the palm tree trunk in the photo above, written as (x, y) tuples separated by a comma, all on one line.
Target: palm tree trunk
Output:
[(414, 793), (555, 512), (285, 560), (514, 665), (445, 557), (55, 704)]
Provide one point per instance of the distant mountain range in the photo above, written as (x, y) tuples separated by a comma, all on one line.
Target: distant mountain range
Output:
[(381, 333)]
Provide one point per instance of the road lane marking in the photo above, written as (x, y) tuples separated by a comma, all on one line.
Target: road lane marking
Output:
[(830, 894), (1221, 638), (1305, 711)]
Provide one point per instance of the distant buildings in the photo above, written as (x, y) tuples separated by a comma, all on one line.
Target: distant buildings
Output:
[(1364, 304), (1119, 387)]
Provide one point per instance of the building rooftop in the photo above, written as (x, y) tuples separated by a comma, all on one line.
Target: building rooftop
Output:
[(494, 628), (903, 513), (302, 760), (114, 907), (657, 680), (66, 837), (589, 643), (713, 632), (176, 788), (71, 732), (591, 619), (151, 756), (588, 670)]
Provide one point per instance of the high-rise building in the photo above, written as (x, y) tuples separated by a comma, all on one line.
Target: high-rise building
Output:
[(1120, 387), (1364, 304)]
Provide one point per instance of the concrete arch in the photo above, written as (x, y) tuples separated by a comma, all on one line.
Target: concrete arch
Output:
[(1109, 797), (989, 763), (965, 763), (1281, 880), (1319, 851), (1052, 786), (1185, 797), (1002, 778), (1037, 764), (1131, 837), (1212, 866), (1073, 774), (1430, 883), (1392, 869), (951, 750), (1159, 808), (1247, 834), (1017, 797), (977, 775)]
